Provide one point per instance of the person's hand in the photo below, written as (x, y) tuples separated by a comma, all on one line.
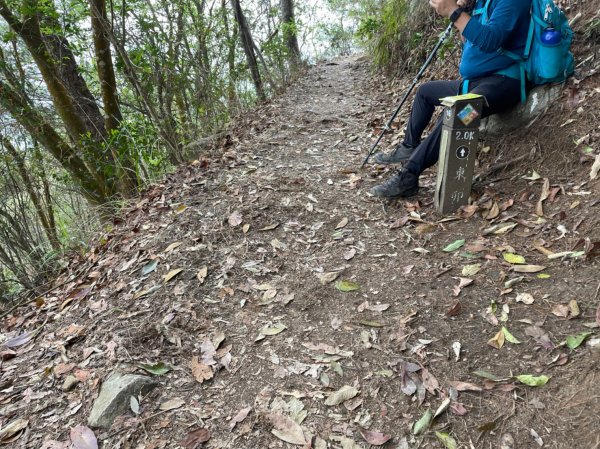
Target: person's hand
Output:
[(444, 7), (462, 3)]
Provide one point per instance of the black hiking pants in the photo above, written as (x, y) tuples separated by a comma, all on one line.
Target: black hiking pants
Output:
[(500, 92)]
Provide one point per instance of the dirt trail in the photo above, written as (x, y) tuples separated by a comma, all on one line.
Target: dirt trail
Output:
[(257, 229)]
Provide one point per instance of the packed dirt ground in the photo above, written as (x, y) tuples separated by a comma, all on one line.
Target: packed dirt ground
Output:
[(289, 308)]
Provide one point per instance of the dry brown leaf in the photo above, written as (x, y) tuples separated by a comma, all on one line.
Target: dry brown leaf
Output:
[(327, 278), (195, 438), (235, 219), (539, 209), (561, 310), (172, 404), (173, 246), (239, 417), (202, 273), (171, 274), (493, 212), (83, 438), (595, 168), (497, 341), (527, 268), (465, 386), (374, 438), (343, 394), (342, 223), (13, 429), (201, 371), (287, 429)]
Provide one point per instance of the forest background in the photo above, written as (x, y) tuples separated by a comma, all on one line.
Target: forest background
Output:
[(98, 100)]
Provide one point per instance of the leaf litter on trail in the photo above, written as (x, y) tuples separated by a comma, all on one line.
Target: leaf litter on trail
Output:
[(347, 286), (200, 370), (149, 267), (514, 259), (574, 341), (343, 394), (329, 277), (497, 341), (509, 337), (287, 429), (446, 440), (157, 369), (195, 438), (533, 381), (423, 423), (83, 438), (235, 219), (12, 429), (528, 268), (202, 273), (454, 246), (239, 417), (171, 274), (374, 438)]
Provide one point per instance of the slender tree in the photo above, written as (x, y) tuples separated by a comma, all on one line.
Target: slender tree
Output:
[(248, 45), (290, 31)]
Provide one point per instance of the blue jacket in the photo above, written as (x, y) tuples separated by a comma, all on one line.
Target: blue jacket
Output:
[(507, 28)]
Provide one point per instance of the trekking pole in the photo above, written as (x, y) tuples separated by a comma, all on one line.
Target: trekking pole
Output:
[(410, 88)]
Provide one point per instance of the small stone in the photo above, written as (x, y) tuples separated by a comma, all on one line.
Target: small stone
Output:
[(70, 383), (115, 395)]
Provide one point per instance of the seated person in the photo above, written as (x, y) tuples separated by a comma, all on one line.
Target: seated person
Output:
[(486, 28)]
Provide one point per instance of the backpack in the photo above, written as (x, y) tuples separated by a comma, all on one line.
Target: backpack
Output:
[(547, 57)]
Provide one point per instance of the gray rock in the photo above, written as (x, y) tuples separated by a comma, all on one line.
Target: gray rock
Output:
[(70, 383), (538, 101), (114, 398)]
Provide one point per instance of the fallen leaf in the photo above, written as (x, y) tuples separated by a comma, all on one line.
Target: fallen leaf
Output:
[(201, 371), (194, 438), (598, 316), (171, 274), (342, 223), (423, 424), (465, 386), (239, 417), (497, 341), (149, 267), (509, 337), (443, 407), (348, 255), (327, 278), (347, 286), (447, 440), (539, 209), (374, 438), (202, 273), (492, 213), (561, 310), (19, 340), (595, 168), (528, 268), (525, 298), (499, 229), (534, 176), (13, 429), (533, 381), (235, 219), (514, 259), (270, 330), (172, 404), (455, 309), (287, 429), (574, 308), (540, 336), (157, 369), (573, 342), (454, 246), (343, 394), (173, 246), (83, 438), (181, 208)]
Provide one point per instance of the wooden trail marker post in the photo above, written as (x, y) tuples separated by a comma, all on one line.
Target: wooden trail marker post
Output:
[(458, 151)]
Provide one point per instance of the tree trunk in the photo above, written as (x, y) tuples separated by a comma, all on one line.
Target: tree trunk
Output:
[(94, 186), (290, 31), (105, 67), (248, 45), (46, 221)]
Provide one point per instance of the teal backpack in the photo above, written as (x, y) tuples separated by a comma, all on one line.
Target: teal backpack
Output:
[(547, 57)]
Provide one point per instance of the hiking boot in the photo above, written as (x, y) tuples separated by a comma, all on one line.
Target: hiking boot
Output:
[(398, 154), (402, 184)]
